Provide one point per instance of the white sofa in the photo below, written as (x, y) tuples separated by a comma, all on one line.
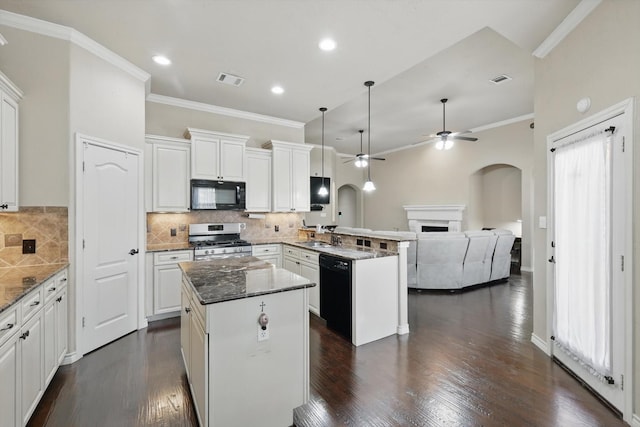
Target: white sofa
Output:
[(458, 260)]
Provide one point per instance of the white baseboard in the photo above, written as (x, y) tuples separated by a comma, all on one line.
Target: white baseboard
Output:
[(635, 421), (402, 329), (70, 358), (526, 269), (540, 343), (163, 316)]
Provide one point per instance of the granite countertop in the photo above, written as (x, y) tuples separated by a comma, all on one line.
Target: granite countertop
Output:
[(348, 252), (163, 247), (16, 282), (221, 280)]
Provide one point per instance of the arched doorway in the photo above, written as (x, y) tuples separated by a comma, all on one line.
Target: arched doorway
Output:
[(349, 206)]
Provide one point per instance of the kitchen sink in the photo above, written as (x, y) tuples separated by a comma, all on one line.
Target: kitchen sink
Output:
[(314, 244)]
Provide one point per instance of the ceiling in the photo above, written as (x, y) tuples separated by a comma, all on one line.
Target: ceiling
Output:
[(416, 51)]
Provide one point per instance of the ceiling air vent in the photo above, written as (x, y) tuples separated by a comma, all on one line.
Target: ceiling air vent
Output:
[(230, 79), (500, 79)]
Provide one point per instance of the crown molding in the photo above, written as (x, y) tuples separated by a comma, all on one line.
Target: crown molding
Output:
[(49, 29), (215, 109), (573, 19)]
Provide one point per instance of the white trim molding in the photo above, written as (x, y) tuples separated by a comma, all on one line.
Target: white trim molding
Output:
[(215, 109), (573, 19), (540, 343), (49, 29), (635, 422)]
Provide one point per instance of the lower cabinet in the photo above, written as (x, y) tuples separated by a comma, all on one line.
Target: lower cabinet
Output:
[(305, 263), (271, 253), (31, 354), (167, 279)]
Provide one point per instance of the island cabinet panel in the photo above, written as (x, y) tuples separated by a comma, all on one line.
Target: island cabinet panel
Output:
[(10, 380), (271, 374)]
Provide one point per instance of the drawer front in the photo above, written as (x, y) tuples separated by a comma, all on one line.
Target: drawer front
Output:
[(32, 303), (309, 256), (9, 322), (50, 288), (62, 278), (291, 252), (172, 257), (265, 250)]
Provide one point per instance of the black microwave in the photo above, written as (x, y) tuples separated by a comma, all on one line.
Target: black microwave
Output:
[(217, 195)]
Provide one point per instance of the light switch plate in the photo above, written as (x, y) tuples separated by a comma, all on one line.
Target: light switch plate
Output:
[(263, 334), (542, 222)]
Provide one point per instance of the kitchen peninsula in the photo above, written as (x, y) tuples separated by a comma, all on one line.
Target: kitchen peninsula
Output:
[(245, 341)]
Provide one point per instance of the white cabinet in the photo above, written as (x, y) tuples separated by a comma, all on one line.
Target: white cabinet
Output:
[(168, 183), (9, 97), (195, 349), (31, 371), (290, 172), (305, 263), (167, 279), (10, 320), (271, 253), (258, 174), (217, 155)]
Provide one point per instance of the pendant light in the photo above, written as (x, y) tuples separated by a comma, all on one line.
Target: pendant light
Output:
[(361, 161), (369, 186), (323, 190)]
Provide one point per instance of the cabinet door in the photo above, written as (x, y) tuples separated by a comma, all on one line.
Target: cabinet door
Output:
[(272, 259), (32, 375), (232, 160), (171, 176), (167, 281), (62, 324), (205, 158), (291, 264), (300, 178), (281, 172), (258, 174), (50, 355), (185, 325), (310, 271), (9, 378), (199, 368), (8, 154)]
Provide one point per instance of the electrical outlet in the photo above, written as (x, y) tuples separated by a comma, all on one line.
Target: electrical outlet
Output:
[(367, 243), (29, 246), (173, 232), (276, 228), (263, 334)]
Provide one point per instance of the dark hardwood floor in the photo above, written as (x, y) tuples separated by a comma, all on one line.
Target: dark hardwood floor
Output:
[(468, 361)]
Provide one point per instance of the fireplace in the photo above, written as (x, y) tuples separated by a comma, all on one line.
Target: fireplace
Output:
[(434, 217)]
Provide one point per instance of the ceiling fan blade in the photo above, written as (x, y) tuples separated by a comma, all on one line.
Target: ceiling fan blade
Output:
[(464, 132), (377, 158), (464, 138), (348, 161)]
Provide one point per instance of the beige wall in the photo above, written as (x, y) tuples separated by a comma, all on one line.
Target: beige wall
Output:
[(499, 199), (348, 174), (424, 175), (167, 120), (39, 66), (599, 59)]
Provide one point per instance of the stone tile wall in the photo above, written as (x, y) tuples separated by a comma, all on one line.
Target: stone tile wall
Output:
[(47, 225), (159, 225)]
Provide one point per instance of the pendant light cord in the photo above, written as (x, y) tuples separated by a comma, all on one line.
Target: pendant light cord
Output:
[(369, 84), (323, 109)]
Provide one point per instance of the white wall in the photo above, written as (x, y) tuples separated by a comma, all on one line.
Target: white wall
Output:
[(39, 66), (599, 59)]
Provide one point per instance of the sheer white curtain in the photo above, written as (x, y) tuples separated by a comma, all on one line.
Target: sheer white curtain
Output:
[(582, 209)]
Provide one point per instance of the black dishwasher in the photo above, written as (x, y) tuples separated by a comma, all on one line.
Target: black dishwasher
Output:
[(335, 293)]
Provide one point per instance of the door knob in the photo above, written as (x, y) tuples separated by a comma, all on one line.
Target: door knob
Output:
[(133, 251)]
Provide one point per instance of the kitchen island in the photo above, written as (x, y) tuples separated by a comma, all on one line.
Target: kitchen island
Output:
[(245, 341)]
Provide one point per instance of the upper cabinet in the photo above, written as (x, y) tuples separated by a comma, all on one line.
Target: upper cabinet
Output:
[(290, 173), (10, 95), (168, 171), (258, 196), (216, 155)]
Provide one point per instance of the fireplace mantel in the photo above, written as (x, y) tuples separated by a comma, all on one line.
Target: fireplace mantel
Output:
[(450, 216)]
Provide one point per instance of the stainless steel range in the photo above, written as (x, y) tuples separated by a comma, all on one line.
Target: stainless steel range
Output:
[(214, 241)]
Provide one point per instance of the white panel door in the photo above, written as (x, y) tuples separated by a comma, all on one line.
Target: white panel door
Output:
[(32, 375), (50, 356), (300, 178), (9, 154), (10, 378), (62, 324), (232, 161), (110, 264), (282, 187), (166, 287), (258, 176), (171, 178), (205, 159)]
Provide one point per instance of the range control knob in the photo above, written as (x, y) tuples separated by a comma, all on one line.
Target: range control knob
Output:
[(263, 320)]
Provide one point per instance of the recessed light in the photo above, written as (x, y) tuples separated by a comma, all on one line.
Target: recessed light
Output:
[(278, 90), (162, 60), (327, 44)]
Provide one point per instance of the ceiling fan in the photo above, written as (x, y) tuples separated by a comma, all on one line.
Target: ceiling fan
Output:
[(444, 138), (362, 159)]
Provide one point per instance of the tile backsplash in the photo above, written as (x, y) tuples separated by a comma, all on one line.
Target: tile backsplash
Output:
[(159, 225), (47, 225)]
